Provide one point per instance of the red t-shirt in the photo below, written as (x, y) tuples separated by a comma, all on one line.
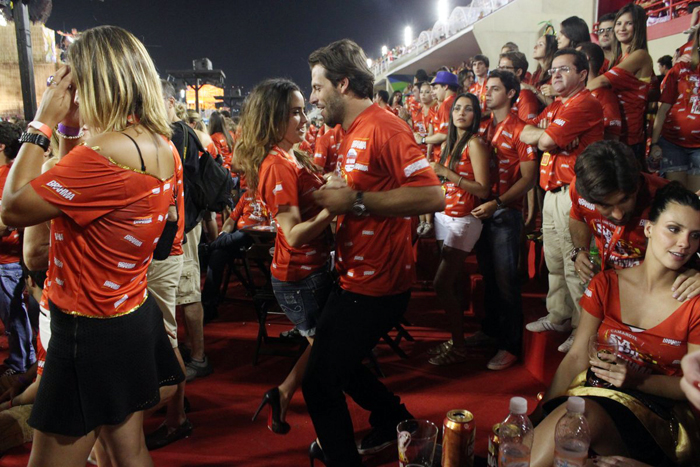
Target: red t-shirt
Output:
[(375, 255), (285, 182), (222, 148), (178, 200), (249, 211), (527, 107), (681, 89), (580, 117), (479, 90), (421, 123), (459, 202), (10, 244), (327, 145), (612, 113), (658, 350), (414, 104), (620, 246), (687, 48), (504, 139), (102, 244), (40, 356), (633, 96)]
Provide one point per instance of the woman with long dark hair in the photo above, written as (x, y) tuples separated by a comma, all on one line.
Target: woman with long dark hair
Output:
[(284, 179), (630, 75), (540, 83), (222, 137), (109, 352), (634, 402), (464, 168), (573, 31)]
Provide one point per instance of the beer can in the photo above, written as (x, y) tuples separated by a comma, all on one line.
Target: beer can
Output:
[(458, 434), (494, 443)]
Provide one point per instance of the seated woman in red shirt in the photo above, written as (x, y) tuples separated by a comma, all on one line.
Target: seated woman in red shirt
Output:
[(464, 169), (540, 82), (221, 137), (630, 76), (284, 179), (108, 201), (642, 413)]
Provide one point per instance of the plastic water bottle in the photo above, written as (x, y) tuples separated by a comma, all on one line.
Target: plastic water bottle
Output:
[(516, 435), (595, 258), (572, 436)]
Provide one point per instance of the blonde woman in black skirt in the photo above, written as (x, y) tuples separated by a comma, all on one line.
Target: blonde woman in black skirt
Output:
[(107, 200)]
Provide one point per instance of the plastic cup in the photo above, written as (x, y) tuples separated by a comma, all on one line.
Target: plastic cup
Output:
[(417, 440)]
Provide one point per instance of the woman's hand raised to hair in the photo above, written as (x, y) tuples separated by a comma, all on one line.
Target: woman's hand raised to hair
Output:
[(57, 101)]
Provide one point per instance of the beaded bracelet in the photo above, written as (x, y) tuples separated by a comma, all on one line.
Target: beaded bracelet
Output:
[(64, 136)]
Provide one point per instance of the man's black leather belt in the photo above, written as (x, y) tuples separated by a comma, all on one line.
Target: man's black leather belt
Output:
[(558, 189)]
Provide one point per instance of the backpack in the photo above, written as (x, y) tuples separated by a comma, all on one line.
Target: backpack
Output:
[(208, 185)]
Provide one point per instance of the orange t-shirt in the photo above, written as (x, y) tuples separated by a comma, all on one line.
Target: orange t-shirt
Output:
[(633, 95), (327, 145), (509, 151), (580, 117), (10, 244), (479, 90), (658, 350), (102, 244), (222, 148), (284, 182), (40, 356), (375, 255), (612, 113), (681, 89), (620, 246), (249, 211), (459, 202)]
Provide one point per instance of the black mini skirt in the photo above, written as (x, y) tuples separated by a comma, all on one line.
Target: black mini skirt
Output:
[(99, 371)]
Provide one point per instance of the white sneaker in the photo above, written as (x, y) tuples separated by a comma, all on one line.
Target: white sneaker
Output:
[(502, 360), (566, 346), (543, 324), (420, 228)]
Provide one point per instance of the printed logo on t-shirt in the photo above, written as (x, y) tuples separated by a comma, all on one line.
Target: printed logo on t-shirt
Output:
[(61, 190), (111, 285), (415, 167), (588, 293), (143, 220), (125, 265), (559, 121), (673, 342), (133, 240), (586, 204), (350, 160), (121, 301)]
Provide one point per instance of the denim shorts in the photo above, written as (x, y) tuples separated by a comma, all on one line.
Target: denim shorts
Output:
[(676, 158), (302, 301)]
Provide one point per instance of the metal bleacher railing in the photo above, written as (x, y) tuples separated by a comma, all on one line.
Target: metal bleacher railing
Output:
[(461, 18)]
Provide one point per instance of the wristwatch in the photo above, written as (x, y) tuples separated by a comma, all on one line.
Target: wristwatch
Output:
[(358, 207), (499, 203), (576, 251), (35, 138), (422, 140)]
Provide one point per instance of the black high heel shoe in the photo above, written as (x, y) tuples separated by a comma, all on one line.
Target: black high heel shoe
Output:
[(315, 452), (274, 422)]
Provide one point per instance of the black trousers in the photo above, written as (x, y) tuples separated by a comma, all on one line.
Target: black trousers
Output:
[(347, 331)]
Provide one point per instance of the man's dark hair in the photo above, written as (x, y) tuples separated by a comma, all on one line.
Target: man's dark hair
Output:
[(225, 113), (673, 192), (607, 17), (345, 59), (511, 46), (580, 59), (383, 95), (518, 60), (605, 168), (481, 58), (666, 61), (9, 136), (595, 54), (576, 30), (168, 89), (421, 75), (509, 80)]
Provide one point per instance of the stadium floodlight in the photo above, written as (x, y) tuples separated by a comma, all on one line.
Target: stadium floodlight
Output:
[(407, 35), (385, 50), (443, 10)]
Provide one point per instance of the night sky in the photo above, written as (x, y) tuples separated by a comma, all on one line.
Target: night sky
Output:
[(250, 40)]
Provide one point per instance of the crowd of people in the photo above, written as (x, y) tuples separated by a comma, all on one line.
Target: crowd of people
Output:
[(103, 228)]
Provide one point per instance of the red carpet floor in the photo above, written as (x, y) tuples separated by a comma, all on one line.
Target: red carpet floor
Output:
[(223, 403)]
